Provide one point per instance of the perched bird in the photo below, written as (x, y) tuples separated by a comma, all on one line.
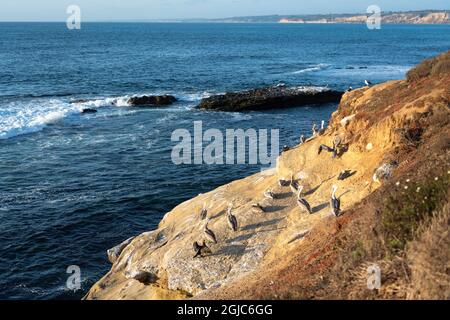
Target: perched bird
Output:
[(324, 147), (314, 129), (344, 174), (302, 139), (269, 194), (209, 234), (335, 202), (322, 128), (257, 208), (232, 221), (350, 88), (203, 212), (283, 182), (201, 249), (286, 148), (302, 201), (368, 83), (293, 184)]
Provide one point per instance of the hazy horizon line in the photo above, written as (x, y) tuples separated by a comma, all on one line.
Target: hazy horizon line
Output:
[(199, 19)]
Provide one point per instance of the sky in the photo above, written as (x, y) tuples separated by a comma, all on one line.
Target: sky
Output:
[(118, 10)]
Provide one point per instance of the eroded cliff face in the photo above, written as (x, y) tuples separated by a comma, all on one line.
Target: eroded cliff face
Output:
[(372, 123)]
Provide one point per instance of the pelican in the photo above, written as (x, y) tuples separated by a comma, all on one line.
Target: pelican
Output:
[(336, 144), (203, 212), (269, 194), (368, 83), (302, 201), (314, 129), (322, 128), (286, 148), (293, 184), (232, 221), (335, 202), (344, 174), (209, 234), (350, 88), (283, 182), (200, 249), (326, 148), (257, 208), (302, 139)]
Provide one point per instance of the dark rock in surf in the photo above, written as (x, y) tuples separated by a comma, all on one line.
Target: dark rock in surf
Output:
[(88, 110), (270, 98), (152, 100)]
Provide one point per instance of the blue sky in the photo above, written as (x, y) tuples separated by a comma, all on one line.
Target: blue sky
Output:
[(94, 10)]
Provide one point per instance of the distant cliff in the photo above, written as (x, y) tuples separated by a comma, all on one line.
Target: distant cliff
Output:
[(407, 17)]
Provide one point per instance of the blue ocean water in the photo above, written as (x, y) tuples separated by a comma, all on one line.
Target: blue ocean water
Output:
[(72, 185)]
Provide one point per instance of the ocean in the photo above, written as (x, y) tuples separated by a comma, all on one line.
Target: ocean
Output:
[(73, 185)]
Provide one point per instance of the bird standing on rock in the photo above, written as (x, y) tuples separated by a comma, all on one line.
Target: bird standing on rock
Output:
[(302, 139), (200, 249), (335, 202), (232, 221), (209, 234), (314, 129), (269, 194), (302, 201), (368, 83), (203, 212), (293, 184)]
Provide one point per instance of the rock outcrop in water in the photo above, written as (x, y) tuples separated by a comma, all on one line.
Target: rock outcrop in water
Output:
[(270, 98), (164, 100), (284, 252)]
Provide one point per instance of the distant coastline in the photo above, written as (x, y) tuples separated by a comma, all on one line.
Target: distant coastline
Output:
[(398, 17)]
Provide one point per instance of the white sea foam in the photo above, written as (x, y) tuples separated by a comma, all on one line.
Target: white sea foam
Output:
[(18, 118), (318, 67)]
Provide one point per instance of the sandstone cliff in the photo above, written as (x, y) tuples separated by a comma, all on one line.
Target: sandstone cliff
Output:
[(401, 127)]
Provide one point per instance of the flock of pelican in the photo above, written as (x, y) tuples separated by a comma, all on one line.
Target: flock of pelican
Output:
[(201, 249)]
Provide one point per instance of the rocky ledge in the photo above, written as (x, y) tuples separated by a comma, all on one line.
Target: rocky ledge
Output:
[(270, 98), (277, 249)]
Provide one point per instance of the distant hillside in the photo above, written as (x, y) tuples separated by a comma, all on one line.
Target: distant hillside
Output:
[(407, 17)]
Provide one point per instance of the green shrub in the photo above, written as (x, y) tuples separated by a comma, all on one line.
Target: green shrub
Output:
[(405, 210)]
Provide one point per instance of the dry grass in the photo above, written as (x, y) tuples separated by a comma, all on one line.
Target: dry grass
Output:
[(432, 67), (429, 259)]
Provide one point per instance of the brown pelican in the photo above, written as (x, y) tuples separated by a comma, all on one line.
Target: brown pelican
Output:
[(302, 201), (324, 147), (257, 208), (203, 212), (200, 249), (269, 194), (335, 202), (232, 221), (209, 234), (293, 184), (344, 174), (302, 139), (322, 128), (314, 129)]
